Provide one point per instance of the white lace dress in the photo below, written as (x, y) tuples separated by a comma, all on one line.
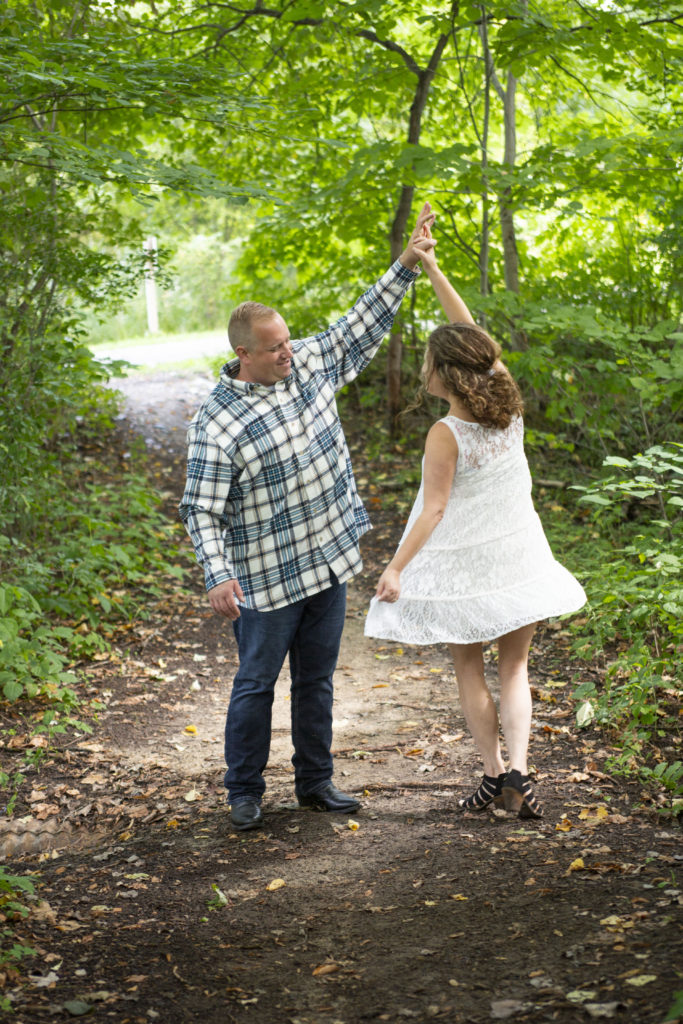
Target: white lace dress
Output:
[(487, 568)]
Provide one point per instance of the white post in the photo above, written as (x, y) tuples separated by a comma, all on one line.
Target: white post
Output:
[(150, 246)]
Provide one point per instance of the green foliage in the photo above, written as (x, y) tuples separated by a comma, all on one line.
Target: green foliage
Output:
[(33, 662), (596, 382), (90, 100), (647, 571), (194, 296), (676, 1010), (12, 951), (110, 557), (636, 593), (97, 554), (79, 84)]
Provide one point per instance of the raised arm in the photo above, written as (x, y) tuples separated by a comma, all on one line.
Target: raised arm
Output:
[(347, 346), (452, 304)]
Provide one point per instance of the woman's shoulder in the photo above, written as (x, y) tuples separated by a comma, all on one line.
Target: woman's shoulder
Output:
[(443, 433)]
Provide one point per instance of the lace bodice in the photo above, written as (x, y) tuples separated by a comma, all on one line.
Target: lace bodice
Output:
[(478, 445), (491, 491)]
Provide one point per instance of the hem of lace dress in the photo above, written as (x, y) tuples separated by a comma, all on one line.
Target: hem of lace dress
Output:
[(441, 633)]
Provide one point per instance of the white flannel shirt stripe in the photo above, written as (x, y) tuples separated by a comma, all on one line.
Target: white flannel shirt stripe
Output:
[(270, 498)]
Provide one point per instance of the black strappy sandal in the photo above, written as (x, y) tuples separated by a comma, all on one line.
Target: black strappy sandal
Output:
[(488, 792), (518, 795)]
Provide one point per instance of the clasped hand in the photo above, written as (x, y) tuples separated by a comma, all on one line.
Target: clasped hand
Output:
[(421, 241)]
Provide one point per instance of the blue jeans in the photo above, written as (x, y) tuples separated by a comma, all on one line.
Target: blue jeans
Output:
[(310, 632)]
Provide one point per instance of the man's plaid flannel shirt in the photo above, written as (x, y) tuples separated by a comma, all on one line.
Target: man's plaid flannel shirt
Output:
[(270, 498)]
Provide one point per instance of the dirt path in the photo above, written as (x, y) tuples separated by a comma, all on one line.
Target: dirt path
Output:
[(152, 909)]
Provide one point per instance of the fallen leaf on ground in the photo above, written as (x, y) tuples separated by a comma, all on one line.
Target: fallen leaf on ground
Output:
[(597, 1010), (277, 883), (325, 969), (76, 1007), (576, 865), (580, 995), (501, 1009), (44, 912), (614, 923), (593, 814), (44, 980)]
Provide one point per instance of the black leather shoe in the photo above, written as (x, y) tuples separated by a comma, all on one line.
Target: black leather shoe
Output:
[(246, 815), (329, 798)]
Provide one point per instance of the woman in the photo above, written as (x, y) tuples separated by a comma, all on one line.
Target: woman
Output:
[(473, 564)]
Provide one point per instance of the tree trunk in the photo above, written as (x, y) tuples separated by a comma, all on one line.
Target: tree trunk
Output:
[(518, 340), (510, 256), (484, 246), (395, 352), (399, 226)]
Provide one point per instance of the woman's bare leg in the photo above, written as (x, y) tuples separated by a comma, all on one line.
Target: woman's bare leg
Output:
[(515, 696), (477, 705)]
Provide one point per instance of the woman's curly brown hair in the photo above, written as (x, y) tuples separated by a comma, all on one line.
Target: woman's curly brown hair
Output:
[(463, 357)]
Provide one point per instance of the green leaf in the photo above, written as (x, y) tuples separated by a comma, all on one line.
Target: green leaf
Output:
[(12, 690), (596, 499)]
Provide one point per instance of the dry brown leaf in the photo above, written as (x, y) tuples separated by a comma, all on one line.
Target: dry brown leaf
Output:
[(325, 969), (44, 912)]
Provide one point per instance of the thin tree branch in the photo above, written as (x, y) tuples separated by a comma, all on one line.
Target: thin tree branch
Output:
[(265, 12)]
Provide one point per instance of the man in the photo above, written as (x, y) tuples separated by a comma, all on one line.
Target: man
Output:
[(274, 516)]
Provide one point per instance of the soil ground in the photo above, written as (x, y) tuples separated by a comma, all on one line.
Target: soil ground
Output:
[(151, 909)]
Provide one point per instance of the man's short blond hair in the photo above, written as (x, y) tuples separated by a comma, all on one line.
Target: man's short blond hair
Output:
[(241, 321)]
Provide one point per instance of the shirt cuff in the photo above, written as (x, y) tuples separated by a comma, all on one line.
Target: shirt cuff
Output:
[(404, 272), (216, 572)]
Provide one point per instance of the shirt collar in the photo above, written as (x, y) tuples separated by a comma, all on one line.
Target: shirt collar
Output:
[(228, 377)]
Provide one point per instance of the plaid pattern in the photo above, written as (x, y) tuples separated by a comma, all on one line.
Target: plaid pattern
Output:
[(270, 498)]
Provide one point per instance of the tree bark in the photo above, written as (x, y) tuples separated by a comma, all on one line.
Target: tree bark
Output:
[(507, 223), (395, 351), (484, 143), (399, 226), (518, 339)]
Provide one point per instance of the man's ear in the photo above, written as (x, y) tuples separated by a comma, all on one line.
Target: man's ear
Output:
[(241, 352)]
